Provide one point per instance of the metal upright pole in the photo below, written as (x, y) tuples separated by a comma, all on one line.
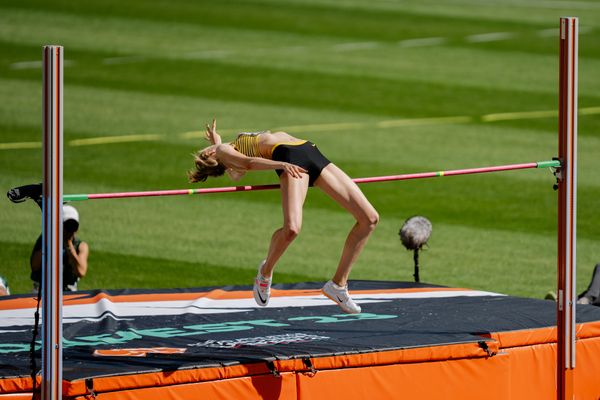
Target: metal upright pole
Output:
[(52, 234), (567, 208)]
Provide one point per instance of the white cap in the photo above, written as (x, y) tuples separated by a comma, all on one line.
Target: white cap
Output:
[(69, 212)]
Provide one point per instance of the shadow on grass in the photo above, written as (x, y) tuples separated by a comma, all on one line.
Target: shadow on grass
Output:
[(116, 271)]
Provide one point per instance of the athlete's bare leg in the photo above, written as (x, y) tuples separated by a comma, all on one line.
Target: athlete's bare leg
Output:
[(293, 194), (345, 192)]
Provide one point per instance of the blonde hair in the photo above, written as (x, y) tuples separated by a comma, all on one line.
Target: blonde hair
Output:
[(204, 167)]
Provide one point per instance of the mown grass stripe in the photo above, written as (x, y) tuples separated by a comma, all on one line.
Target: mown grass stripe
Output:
[(534, 114), (36, 64), (519, 115), (340, 126), (355, 46), (422, 42), (424, 121), (589, 110), (20, 145), (123, 60), (489, 37), (115, 139)]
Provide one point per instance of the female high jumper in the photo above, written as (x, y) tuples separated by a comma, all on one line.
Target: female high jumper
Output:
[(299, 164)]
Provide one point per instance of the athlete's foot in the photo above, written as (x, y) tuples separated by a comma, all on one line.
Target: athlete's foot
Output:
[(340, 295), (584, 300), (262, 287), (22, 193)]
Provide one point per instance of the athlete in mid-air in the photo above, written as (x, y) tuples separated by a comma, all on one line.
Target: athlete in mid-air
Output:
[(299, 164)]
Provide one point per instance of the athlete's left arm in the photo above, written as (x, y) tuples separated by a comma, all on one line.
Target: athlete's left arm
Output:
[(78, 260), (211, 133)]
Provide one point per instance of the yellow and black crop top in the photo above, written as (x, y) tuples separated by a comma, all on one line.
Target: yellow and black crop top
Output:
[(247, 144)]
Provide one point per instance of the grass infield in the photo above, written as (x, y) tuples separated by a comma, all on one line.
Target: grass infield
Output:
[(384, 88)]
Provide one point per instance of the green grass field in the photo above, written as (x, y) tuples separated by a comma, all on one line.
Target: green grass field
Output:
[(384, 87)]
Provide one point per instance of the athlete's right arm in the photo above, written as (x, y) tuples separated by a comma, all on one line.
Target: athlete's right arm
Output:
[(231, 158), (235, 174)]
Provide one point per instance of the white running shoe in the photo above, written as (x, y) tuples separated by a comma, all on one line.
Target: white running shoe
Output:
[(262, 287), (340, 295), (583, 300)]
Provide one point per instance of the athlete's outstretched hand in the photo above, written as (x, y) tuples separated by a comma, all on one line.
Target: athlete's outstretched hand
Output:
[(211, 133), (293, 170)]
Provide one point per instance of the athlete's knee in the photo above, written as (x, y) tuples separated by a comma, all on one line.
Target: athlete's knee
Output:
[(373, 219), (291, 231), (370, 220)]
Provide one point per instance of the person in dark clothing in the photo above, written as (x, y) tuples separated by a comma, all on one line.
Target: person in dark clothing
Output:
[(75, 251)]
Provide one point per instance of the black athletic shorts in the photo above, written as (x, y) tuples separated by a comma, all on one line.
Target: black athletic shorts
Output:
[(305, 155)]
